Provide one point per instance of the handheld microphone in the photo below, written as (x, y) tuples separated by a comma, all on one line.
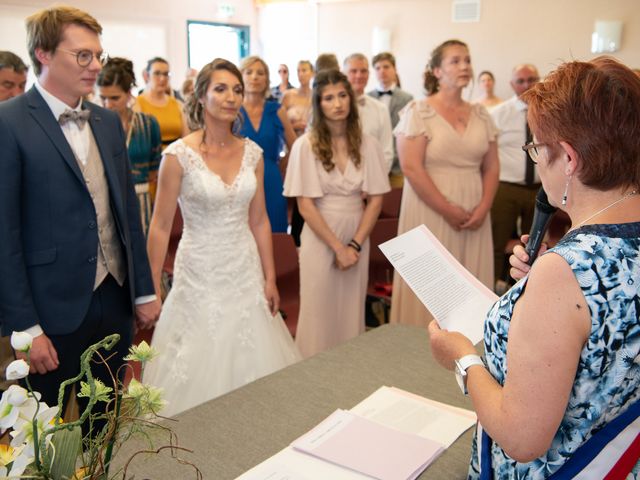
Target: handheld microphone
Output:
[(541, 219)]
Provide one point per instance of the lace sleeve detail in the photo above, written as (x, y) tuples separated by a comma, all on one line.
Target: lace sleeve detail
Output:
[(252, 154), (414, 119), (486, 118), (187, 158)]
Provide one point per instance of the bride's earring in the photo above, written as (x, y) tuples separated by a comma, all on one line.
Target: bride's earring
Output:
[(566, 191)]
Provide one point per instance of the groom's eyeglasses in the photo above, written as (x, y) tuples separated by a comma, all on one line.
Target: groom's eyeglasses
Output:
[(85, 57)]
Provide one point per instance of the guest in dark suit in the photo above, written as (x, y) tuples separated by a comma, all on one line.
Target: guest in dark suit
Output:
[(390, 93), (13, 75), (72, 252)]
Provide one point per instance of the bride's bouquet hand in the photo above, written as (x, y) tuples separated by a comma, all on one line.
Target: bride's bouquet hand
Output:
[(272, 296)]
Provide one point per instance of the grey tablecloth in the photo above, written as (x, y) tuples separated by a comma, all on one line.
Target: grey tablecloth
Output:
[(232, 433)]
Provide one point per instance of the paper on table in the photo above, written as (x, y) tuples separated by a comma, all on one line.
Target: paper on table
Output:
[(368, 447), (383, 407), (273, 471), (457, 300), (291, 464), (417, 415)]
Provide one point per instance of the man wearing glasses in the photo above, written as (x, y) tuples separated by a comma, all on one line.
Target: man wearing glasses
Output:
[(519, 181), (72, 253)]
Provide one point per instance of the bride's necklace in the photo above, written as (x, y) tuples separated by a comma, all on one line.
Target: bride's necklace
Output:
[(624, 197), (205, 146)]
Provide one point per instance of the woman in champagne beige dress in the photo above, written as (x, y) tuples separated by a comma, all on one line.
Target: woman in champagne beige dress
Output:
[(448, 154), (332, 169)]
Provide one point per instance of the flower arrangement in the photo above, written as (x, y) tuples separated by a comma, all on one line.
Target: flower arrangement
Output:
[(44, 447)]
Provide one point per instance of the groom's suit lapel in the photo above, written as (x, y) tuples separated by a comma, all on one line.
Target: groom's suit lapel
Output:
[(42, 114)]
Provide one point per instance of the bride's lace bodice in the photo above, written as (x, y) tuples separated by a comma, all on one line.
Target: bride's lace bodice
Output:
[(216, 332), (217, 247), (210, 207)]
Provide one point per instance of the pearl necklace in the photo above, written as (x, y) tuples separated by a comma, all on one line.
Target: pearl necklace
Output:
[(624, 197)]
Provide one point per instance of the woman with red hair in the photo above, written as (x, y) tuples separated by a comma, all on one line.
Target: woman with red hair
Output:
[(569, 330)]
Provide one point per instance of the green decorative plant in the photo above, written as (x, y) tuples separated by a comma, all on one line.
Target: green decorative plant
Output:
[(43, 447)]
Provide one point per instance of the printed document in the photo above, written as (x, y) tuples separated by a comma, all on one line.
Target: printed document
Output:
[(368, 447), (391, 435), (414, 414), (456, 299)]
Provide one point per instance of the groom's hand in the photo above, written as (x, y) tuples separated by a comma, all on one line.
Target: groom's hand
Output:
[(147, 314), (43, 355)]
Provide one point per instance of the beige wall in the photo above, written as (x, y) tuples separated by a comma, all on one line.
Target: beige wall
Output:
[(543, 32), (171, 15)]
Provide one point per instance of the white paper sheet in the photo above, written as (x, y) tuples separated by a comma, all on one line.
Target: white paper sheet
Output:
[(457, 300), (368, 447), (410, 413), (435, 421), (289, 464)]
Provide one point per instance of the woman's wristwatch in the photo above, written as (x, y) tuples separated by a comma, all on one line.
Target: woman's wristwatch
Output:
[(462, 365)]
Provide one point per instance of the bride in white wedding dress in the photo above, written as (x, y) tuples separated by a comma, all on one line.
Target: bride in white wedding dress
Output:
[(220, 327)]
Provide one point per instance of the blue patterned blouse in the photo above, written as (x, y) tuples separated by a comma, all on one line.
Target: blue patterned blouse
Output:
[(605, 260)]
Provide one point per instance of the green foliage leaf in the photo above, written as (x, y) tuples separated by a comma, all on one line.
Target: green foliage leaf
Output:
[(67, 445)]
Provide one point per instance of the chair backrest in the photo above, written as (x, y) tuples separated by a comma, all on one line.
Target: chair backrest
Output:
[(285, 254), (380, 269), (285, 257), (391, 203), (174, 239)]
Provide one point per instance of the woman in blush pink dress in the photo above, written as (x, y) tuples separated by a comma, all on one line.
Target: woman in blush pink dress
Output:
[(337, 175)]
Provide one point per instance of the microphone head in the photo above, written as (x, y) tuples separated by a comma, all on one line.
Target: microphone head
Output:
[(542, 202)]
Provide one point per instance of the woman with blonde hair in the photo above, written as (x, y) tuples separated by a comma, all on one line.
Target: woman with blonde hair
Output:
[(224, 300), (266, 124), (332, 168)]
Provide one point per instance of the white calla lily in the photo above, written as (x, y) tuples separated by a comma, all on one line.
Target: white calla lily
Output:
[(17, 395), (21, 341), (17, 369), (20, 464), (22, 432), (12, 409)]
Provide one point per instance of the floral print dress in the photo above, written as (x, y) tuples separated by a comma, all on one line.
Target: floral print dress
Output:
[(605, 260)]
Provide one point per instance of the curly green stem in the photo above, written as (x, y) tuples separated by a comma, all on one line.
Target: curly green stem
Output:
[(85, 370)]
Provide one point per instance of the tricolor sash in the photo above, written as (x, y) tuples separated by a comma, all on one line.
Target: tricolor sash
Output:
[(610, 454)]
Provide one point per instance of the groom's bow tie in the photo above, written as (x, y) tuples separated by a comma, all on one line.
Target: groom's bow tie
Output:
[(79, 117)]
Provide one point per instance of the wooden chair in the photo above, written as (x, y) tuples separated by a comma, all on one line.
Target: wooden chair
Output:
[(391, 203), (174, 239), (380, 269), (287, 278)]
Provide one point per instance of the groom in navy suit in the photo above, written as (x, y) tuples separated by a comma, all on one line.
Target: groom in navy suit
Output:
[(73, 265)]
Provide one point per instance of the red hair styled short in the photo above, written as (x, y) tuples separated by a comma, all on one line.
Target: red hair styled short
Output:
[(595, 107)]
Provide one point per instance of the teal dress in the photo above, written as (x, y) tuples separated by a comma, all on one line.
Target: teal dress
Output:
[(605, 260), (145, 150)]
